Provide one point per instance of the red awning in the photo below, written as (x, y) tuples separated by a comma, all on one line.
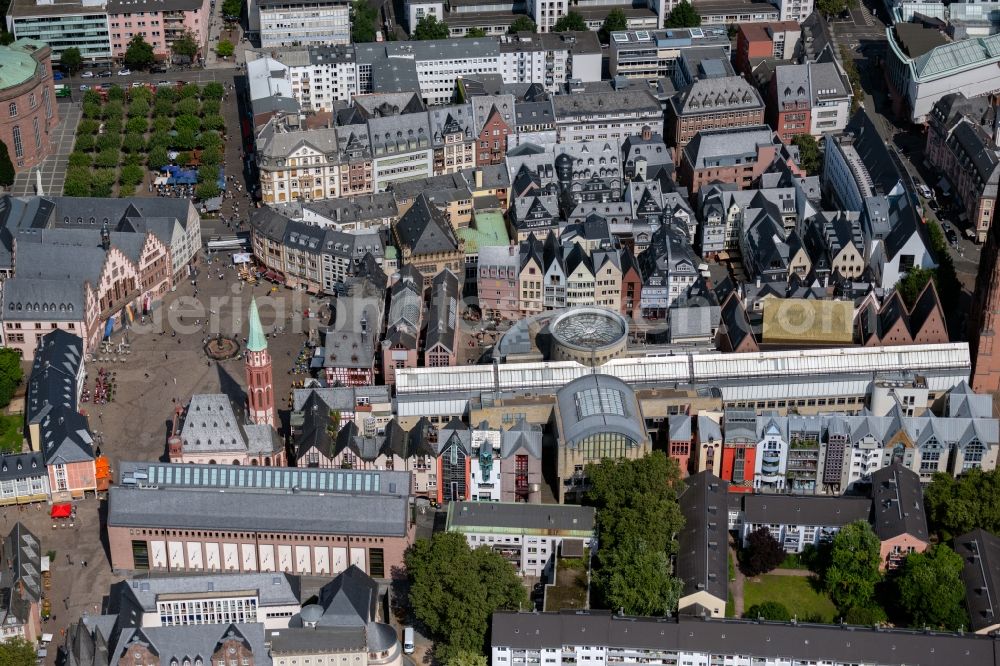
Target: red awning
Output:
[(63, 510)]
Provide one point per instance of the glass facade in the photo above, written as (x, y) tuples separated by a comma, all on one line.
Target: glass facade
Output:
[(603, 445), (87, 32)]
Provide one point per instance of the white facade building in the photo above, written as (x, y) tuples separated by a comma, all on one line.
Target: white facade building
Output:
[(529, 536), (797, 521), (794, 10), (418, 9), (484, 480), (550, 59), (303, 22)]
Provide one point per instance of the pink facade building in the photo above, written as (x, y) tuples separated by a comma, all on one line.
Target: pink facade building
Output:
[(159, 23), (498, 282)]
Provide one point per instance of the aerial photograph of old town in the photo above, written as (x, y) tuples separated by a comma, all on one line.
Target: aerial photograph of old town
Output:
[(500, 333)]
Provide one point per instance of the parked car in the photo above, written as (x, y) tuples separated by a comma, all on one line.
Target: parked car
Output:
[(137, 84), (158, 69), (84, 87), (87, 75), (125, 72), (408, 645), (58, 76), (105, 74), (925, 191), (951, 236)]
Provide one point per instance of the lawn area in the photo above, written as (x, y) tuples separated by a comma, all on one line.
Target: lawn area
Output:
[(570, 590), (795, 592), (10, 433)]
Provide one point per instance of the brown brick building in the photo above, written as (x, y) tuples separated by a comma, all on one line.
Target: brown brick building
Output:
[(27, 108), (716, 103)]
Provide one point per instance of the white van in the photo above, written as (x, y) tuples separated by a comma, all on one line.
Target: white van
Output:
[(408, 646)]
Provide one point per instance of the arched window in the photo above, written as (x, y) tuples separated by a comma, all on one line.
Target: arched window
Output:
[(12, 109)]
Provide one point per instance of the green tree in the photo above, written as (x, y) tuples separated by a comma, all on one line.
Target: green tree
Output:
[(6, 167), (956, 506), (205, 191), (185, 45), (910, 286), (210, 139), (114, 108), (475, 32), (103, 182), (137, 126), (232, 8), (929, 589), (364, 21), (166, 93), (78, 159), (161, 126), (11, 375), (107, 159), (613, 22), (683, 15), (522, 24), (157, 158), (85, 143), (139, 53), (571, 21), (216, 123), (637, 519), (213, 90), (132, 175), (134, 143), (190, 90), (636, 577), (225, 48), (187, 123), (109, 141), (71, 60), (187, 107), (87, 126), (211, 107), (865, 615), (834, 7), (762, 554), (212, 156), (430, 28), (809, 155), (17, 652), (78, 180), (138, 109), (466, 658), (768, 610), (853, 571), (454, 591), (185, 139)]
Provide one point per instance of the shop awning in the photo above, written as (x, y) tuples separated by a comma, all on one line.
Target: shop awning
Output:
[(64, 510)]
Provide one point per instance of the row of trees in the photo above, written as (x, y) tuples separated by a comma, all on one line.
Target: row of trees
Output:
[(956, 506), (637, 520), (925, 591)]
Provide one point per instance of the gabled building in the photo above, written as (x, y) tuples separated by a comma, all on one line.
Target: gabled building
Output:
[(211, 431), (453, 139), (20, 585), (712, 104), (898, 514), (737, 155), (980, 551), (401, 344), (702, 546), (441, 335), (494, 122), (669, 267), (796, 522), (428, 242)]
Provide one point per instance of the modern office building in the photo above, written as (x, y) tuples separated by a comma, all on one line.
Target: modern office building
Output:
[(80, 24), (302, 22), (550, 59), (652, 54)]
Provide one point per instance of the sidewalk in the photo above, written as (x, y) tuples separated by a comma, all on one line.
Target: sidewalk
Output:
[(217, 31)]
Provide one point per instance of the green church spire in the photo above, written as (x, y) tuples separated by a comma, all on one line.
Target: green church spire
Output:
[(256, 342)]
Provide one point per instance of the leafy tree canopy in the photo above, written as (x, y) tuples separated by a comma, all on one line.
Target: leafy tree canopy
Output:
[(834, 7), (185, 45), (522, 24), (71, 60), (430, 28), (809, 155), (232, 8), (930, 590), (762, 554), (454, 591), (139, 53), (683, 15), (17, 652), (768, 610), (613, 22), (853, 570), (364, 20), (475, 32), (11, 375), (956, 506), (466, 658), (571, 21), (225, 48)]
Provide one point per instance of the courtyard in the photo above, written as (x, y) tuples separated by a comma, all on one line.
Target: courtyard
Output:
[(797, 591)]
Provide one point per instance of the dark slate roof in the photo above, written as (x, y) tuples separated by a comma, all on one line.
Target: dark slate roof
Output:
[(980, 553), (350, 599), (21, 466), (805, 510), (874, 153), (66, 437), (20, 574), (52, 382), (702, 551), (809, 643), (441, 315), (518, 516), (316, 418), (898, 503), (424, 229)]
